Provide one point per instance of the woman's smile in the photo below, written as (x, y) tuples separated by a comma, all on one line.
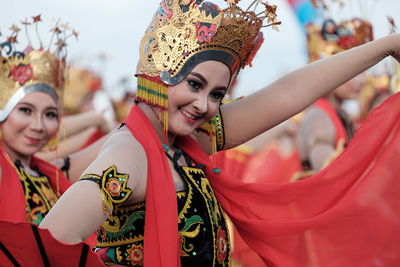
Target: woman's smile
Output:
[(33, 140), (188, 116)]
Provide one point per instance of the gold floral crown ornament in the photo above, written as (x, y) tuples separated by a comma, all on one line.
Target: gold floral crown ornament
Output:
[(184, 33), (79, 85), (32, 70), (331, 38)]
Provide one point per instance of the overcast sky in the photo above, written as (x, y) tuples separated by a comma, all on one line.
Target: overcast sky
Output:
[(115, 27)]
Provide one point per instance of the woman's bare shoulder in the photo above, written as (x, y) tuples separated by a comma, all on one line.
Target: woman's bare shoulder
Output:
[(124, 153)]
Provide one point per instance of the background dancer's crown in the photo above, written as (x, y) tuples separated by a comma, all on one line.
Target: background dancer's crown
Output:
[(36, 69), (332, 38), (80, 84)]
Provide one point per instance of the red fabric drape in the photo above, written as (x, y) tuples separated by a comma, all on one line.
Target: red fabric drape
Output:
[(346, 214), (271, 163), (233, 161), (161, 246), (21, 243), (12, 196)]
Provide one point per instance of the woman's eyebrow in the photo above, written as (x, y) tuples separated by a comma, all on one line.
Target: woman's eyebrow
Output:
[(223, 88), (25, 103), (201, 77)]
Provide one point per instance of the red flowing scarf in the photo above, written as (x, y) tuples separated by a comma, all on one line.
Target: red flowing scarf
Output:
[(12, 196), (344, 215)]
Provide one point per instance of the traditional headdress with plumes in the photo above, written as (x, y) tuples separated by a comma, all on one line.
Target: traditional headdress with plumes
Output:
[(32, 70), (184, 33), (78, 86), (331, 38)]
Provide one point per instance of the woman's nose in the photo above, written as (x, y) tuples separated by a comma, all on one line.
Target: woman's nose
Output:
[(37, 123), (201, 104)]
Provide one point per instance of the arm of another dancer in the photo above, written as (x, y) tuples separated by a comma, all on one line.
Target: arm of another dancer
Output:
[(292, 93), (80, 160), (84, 207), (316, 138)]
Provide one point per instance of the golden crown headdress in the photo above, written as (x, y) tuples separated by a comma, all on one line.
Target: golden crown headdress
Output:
[(331, 38), (184, 33), (32, 70), (78, 86)]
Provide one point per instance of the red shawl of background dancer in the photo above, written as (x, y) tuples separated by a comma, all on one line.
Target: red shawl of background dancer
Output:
[(347, 213), (12, 196)]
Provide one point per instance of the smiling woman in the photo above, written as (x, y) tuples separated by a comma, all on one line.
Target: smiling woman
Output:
[(197, 98), (29, 126), (153, 195), (31, 86)]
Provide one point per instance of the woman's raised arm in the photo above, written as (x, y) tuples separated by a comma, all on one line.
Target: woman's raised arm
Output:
[(292, 93)]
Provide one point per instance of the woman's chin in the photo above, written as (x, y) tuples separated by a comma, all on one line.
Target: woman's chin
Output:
[(182, 131)]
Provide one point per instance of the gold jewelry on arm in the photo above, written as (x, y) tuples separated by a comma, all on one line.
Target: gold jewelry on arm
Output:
[(113, 185)]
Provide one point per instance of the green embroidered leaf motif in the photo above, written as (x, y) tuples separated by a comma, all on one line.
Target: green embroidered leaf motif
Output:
[(121, 231), (196, 219)]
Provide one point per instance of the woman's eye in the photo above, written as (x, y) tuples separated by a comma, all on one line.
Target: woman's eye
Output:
[(25, 110), (51, 114), (195, 85), (218, 96)]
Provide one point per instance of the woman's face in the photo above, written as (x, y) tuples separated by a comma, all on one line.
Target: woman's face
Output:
[(351, 89), (197, 98), (30, 125)]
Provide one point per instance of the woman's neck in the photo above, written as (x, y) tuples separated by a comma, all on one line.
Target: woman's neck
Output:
[(158, 124), (25, 160)]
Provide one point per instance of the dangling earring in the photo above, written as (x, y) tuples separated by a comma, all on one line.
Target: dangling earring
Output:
[(153, 92)]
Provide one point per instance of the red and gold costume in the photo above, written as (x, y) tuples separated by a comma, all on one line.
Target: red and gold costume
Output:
[(24, 197), (353, 198)]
